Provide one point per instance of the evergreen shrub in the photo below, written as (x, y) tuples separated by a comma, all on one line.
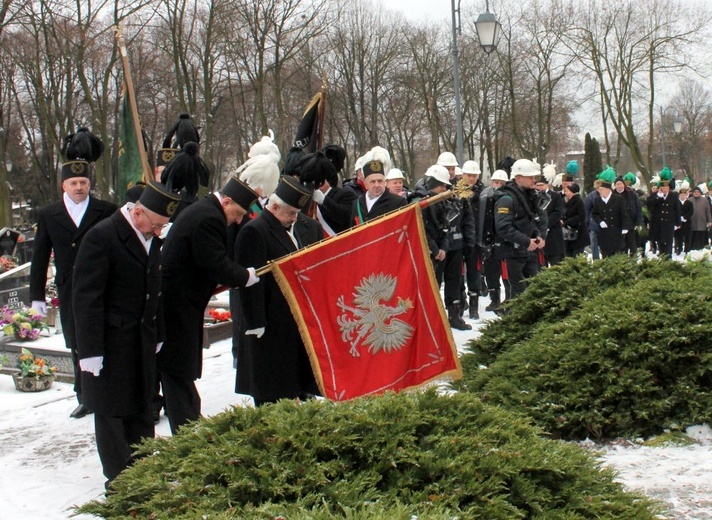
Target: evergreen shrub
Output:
[(588, 353), (417, 455)]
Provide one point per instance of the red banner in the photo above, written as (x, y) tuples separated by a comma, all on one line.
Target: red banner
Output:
[(369, 310)]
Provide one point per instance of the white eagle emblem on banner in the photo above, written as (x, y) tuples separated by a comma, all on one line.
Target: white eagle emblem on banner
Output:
[(372, 323)]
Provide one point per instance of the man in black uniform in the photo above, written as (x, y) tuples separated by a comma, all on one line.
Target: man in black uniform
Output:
[(272, 362), (520, 226), (195, 262), (117, 284), (664, 211), (61, 226), (377, 200)]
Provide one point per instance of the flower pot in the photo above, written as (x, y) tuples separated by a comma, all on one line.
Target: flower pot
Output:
[(32, 384)]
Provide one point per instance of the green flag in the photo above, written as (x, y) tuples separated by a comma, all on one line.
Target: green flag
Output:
[(130, 169)]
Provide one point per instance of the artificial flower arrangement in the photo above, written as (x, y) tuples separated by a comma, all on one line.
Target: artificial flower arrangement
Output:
[(7, 263), (220, 315), (33, 366), (24, 323)]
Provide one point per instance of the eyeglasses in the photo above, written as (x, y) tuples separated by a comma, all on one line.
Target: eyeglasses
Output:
[(153, 226)]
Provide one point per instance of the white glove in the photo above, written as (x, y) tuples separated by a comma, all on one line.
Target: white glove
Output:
[(255, 332), (318, 197), (603, 224), (683, 219), (253, 279), (92, 364), (159, 346), (40, 307), (624, 231)]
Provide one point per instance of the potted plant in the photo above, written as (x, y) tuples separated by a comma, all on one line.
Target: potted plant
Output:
[(24, 324), (34, 374)]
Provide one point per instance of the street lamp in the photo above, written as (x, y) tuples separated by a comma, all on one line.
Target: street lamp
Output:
[(676, 126), (488, 33), (489, 30)]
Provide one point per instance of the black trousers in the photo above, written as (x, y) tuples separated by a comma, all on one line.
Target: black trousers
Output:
[(116, 435), (699, 240), (473, 270), (182, 400), (449, 272), (518, 270)]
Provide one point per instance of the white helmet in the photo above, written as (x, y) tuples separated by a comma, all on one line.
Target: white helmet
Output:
[(471, 167), (447, 159), (499, 175), (525, 168), (440, 173), (394, 173)]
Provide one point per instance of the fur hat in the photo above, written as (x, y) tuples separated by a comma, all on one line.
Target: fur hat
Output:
[(260, 172)]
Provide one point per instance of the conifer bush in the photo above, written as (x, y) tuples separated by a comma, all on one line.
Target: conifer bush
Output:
[(419, 455), (588, 353)]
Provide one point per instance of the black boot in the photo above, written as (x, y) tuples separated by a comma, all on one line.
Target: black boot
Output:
[(463, 305), (456, 322), (474, 307), (494, 300)]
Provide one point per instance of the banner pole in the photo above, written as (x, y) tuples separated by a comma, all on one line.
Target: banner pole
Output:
[(132, 101)]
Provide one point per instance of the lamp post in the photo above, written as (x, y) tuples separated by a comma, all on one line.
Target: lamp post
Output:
[(456, 78), (488, 33), (676, 126)]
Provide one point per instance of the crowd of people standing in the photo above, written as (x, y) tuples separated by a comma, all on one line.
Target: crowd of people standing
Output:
[(134, 282)]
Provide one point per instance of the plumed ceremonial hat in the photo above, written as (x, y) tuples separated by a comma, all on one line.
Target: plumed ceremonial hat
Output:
[(337, 155), (158, 199), (506, 164), (293, 192), (549, 173), (265, 146), (260, 172), (666, 178), (683, 185), (80, 149), (703, 188), (378, 153), (240, 193), (373, 167), (607, 177), (182, 133), (314, 169), (630, 178), (186, 170), (572, 169)]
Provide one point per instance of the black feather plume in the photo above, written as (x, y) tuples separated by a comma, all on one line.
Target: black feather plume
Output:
[(186, 171), (82, 146)]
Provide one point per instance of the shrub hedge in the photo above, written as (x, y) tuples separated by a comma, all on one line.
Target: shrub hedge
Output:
[(609, 349), (419, 455)]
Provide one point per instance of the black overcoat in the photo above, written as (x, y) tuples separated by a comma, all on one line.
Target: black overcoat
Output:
[(664, 216), (575, 217), (615, 215), (56, 231), (276, 365), (117, 314), (555, 213), (195, 262)]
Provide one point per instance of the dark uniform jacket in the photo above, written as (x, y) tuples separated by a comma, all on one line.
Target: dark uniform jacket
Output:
[(276, 365), (385, 204), (664, 215), (434, 222), (117, 311), (615, 215), (336, 208), (517, 220), (195, 262), (57, 232)]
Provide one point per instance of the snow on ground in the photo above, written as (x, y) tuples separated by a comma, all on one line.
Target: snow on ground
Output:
[(49, 463)]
